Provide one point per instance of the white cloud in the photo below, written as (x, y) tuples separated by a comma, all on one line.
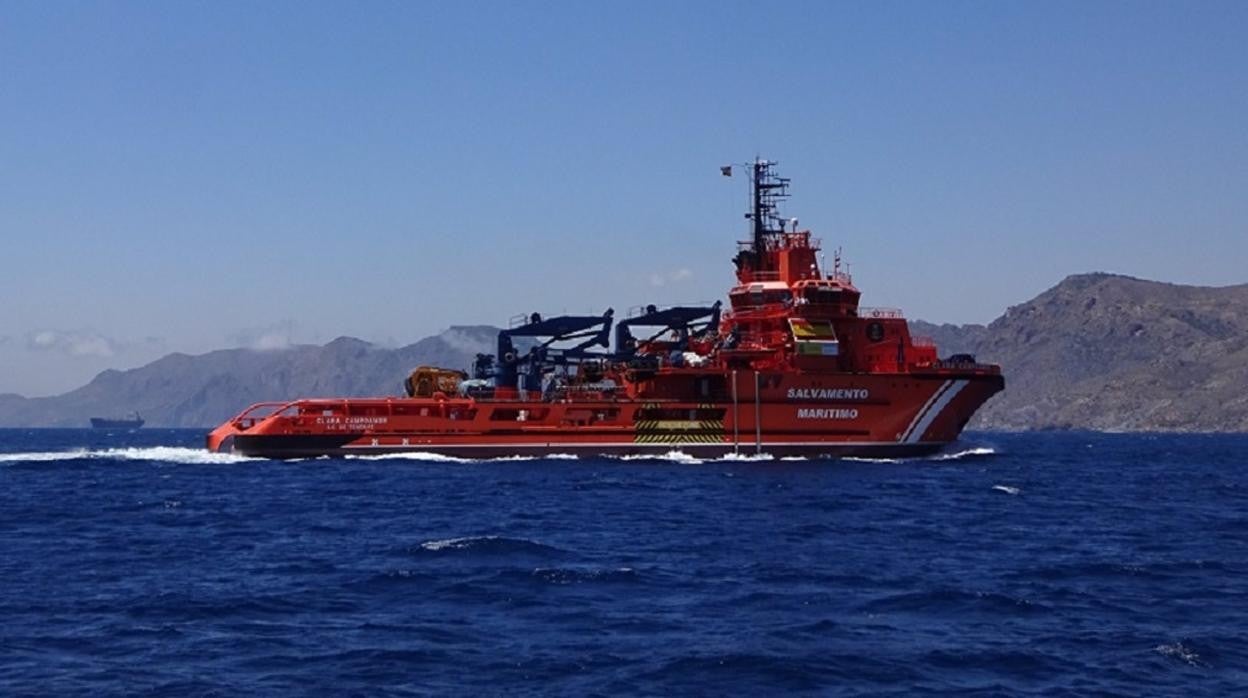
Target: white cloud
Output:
[(269, 338), (48, 361), (672, 277), (272, 340), (72, 343)]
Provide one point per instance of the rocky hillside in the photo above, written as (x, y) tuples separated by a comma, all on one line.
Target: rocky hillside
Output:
[(1107, 352), (197, 391)]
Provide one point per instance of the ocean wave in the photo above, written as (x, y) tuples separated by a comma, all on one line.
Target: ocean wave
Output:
[(1007, 489), (1008, 662), (396, 578), (486, 545), (974, 452), (1109, 570), (429, 457), (682, 458), (565, 576), (168, 454), (672, 456), (726, 673), (954, 601), (1181, 652), (188, 606), (424, 456), (746, 458)]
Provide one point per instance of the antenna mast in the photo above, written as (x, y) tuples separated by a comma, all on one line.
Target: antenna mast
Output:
[(768, 190)]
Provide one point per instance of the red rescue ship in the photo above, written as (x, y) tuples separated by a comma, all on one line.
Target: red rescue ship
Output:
[(793, 367)]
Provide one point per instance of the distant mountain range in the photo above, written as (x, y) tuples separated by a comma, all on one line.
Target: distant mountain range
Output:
[(200, 391), (1097, 351)]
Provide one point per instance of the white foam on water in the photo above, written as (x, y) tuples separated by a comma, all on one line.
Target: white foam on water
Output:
[(455, 543), (167, 454), (968, 453), (671, 456), (426, 456), (423, 456), (744, 457), (957, 455), (190, 456), (43, 456), (1181, 652), (1006, 489)]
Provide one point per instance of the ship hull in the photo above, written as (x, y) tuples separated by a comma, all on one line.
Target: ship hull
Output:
[(299, 447), (101, 423), (781, 415)]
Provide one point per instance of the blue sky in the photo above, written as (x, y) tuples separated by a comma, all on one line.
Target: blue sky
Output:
[(189, 176)]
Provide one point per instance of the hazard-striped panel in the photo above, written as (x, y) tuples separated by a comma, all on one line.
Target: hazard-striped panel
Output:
[(672, 431)]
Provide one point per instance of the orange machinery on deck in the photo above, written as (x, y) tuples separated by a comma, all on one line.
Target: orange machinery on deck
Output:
[(794, 368)]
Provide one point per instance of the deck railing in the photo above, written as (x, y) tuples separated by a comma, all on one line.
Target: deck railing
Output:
[(881, 313)]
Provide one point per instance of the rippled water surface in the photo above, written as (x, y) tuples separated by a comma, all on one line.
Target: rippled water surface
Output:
[(1044, 563)]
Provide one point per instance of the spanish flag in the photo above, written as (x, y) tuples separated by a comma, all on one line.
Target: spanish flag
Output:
[(819, 330)]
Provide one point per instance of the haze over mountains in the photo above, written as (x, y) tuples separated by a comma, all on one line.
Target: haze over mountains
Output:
[(195, 391), (1096, 351)]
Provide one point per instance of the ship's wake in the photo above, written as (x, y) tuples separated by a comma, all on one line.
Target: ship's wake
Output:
[(969, 453), (429, 457), (674, 456), (974, 452), (196, 456), (420, 456), (164, 454)]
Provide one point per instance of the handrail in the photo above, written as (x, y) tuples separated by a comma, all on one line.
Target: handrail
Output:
[(763, 309), (881, 313), (279, 405), (763, 276)]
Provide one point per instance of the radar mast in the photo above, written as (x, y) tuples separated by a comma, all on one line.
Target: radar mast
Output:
[(767, 189)]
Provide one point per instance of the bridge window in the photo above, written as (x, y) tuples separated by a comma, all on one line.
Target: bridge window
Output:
[(822, 295)]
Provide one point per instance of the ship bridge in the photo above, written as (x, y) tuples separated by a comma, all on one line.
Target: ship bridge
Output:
[(786, 313)]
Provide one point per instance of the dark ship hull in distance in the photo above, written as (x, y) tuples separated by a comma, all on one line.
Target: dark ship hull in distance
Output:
[(132, 422)]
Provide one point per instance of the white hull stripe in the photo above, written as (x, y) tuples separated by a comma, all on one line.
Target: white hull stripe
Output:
[(905, 435), (939, 406)]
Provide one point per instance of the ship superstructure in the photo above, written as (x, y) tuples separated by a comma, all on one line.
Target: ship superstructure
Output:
[(793, 366)]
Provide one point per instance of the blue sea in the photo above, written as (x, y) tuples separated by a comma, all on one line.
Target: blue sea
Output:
[(1049, 564)]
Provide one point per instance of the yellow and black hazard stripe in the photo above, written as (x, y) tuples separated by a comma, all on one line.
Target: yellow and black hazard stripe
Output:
[(678, 438), (666, 431)]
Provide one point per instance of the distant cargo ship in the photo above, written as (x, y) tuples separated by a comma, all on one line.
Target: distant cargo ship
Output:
[(134, 421)]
